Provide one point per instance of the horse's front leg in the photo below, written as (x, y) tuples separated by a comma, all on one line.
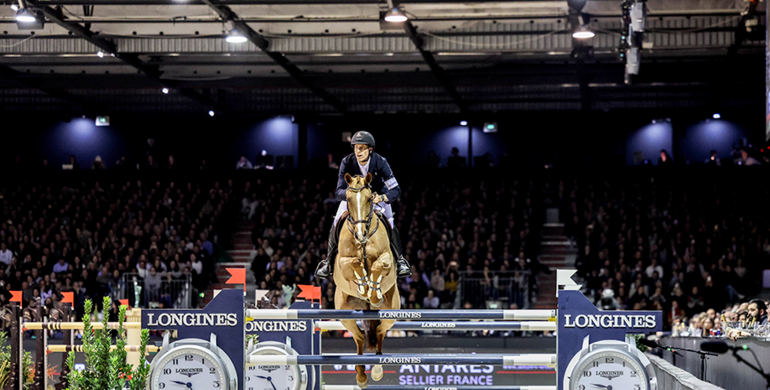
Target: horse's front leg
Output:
[(380, 268), (359, 280)]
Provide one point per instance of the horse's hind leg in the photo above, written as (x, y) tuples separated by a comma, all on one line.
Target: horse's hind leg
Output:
[(362, 380)]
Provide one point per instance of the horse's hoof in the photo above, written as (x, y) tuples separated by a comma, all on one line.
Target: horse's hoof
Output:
[(362, 385), (377, 373)]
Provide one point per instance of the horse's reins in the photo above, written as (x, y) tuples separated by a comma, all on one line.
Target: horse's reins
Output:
[(367, 221)]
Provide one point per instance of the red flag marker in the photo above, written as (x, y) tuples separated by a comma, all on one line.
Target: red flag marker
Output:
[(238, 276), (312, 293), (68, 297), (124, 302), (16, 297)]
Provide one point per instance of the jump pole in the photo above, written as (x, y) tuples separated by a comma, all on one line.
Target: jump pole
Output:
[(326, 314), (455, 325), (497, 360), (437, 387)]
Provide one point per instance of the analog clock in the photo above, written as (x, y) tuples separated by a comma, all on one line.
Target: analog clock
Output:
[(274, 377), (609, 365), (192, 364)]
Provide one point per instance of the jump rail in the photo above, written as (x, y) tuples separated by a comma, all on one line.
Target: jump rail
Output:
[(454, 325), (326, 314), (436, 387), (497, 360), (77, 325), (79, 348)]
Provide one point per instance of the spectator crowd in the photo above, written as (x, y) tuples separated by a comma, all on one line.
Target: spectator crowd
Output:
[(84, 237)]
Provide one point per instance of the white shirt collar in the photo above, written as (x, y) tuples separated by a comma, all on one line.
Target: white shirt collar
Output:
[(364, 168)]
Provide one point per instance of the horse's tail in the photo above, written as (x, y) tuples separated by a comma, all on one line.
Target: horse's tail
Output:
[(370, 334)]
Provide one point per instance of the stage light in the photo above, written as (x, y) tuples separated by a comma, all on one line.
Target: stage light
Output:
[(100, 54), (583, 33), (102, 121), (716, 116), (463, 123), (211, 112), (395, 15), (25, 16), (235, 37), (165, 91), (15, 7)]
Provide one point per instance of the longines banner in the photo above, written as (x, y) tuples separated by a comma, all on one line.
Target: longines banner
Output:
[(437, 376)]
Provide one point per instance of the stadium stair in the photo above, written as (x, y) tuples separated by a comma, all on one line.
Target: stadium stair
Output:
[(556, 251), (242, 254)]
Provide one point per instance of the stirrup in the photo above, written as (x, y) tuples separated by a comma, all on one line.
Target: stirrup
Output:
[(324, 270)]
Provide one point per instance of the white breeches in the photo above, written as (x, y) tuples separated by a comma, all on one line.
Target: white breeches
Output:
[(382, 207)]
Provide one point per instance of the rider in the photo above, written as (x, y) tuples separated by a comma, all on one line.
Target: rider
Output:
[(363, 160)]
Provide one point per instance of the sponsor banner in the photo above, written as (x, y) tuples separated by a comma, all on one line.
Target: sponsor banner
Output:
[(448, 375)]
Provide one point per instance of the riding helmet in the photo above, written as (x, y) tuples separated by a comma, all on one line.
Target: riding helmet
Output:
[(362, 138)]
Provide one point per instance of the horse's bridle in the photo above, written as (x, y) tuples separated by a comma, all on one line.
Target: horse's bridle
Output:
[(367, 221)]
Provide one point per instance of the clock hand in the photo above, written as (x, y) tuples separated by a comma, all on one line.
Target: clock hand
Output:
[(603, 386), (261, 377), (179, 383), (271, 382)]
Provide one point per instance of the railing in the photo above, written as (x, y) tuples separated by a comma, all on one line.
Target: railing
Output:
[(494, 290), (174, 293)]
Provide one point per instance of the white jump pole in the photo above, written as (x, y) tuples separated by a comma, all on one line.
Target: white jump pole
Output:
[(497, 360), (327, 314), (455, 325)]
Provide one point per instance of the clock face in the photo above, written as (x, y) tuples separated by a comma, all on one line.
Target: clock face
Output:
[(609, 370), (189, 368), (262, 377)]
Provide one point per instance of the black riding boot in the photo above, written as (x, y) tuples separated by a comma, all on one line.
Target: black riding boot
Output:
[(402, 265), (326, 266)]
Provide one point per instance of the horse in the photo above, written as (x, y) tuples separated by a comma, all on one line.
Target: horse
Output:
[(365, 273)]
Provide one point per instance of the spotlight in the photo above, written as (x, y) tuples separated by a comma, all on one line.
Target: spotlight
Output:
[(15, 7), (235, 37), (25, 16), (102, 121), (211, 112), (100, 54), (165, 91), (395, 15), (716, 116), (463, 123), (583, 33)]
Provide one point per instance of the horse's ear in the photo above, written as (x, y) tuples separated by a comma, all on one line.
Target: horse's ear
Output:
[(348, 178), (368, 178)]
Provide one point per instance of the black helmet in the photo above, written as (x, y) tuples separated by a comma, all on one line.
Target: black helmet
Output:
[(362, 138)]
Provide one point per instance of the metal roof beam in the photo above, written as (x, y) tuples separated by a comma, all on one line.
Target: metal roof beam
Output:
[(109, 47), (258, 40), (435, 68), (88, 106)]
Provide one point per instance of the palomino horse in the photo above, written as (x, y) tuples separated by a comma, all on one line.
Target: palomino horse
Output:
[(365, 271)]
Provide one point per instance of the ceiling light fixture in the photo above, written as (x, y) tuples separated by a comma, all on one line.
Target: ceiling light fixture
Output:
[(583, 33), (235, 37), (25, 16), (165, 91), (100, 54), (211, 112), (395, 15), (15, 7)]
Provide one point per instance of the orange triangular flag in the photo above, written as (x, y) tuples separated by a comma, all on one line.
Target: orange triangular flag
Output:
[(16, 297), (123, 302), (238, 276), (68, 297), (312, 293)]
